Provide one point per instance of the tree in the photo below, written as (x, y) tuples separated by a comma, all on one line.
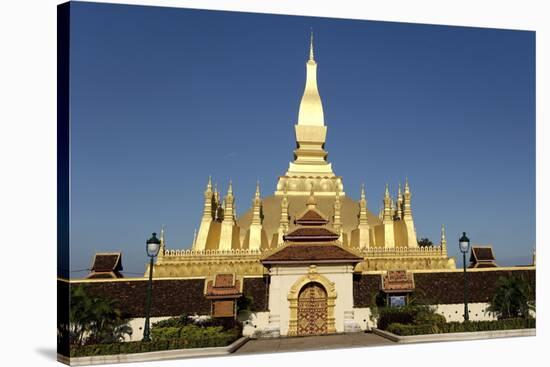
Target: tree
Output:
[(425, 242), (513, 298), (95, 320)]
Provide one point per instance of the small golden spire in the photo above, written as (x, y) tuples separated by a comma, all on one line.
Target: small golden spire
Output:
[(363, 191), (195, 237), (407, 185), (230, 188), (387, 192), (209, 184)]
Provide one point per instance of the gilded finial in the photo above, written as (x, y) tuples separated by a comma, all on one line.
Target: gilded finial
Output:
[(363, 191), (230, 188), (162, 234), (406, 184), (311, 55), (195, 237), (387, 192), (257, 189), (399, 190)]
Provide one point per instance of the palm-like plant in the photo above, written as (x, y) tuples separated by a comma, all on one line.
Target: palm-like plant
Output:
[(513, 298), (95, 320)]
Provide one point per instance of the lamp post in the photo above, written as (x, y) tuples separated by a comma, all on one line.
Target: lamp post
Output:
[(464, 245), (152, 246)]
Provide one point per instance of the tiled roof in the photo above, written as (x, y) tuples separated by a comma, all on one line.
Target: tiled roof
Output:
[(482, 257), (107, 262), (310, 253), (223, 286), (483, 253), (311, 233), (311, 216)]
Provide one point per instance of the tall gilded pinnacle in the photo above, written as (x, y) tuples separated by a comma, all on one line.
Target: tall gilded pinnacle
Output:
[(363, 207), (407, 210), (399, 213), (311, 107), (255, 237), (387, 216), (208, 194), (208, 215), (443, 240), (228, 212), (227, 237), (256, 206), (408, 218), (363, 227), (387, 220)]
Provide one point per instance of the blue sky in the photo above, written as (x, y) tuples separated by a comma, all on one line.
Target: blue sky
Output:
[(161, 98)]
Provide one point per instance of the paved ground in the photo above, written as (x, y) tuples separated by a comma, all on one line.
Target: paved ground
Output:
[(348, 340)]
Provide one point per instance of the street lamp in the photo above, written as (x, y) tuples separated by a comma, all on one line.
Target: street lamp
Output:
[(464, 245), (152, 246)]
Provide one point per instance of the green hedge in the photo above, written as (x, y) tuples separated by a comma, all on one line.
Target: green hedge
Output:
[(152, 346), (459, 327), (188, 332)]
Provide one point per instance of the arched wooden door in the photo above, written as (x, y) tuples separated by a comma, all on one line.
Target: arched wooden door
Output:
[(312, 310)]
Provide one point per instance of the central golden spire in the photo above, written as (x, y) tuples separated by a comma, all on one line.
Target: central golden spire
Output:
[(310, 163), (311, 107)]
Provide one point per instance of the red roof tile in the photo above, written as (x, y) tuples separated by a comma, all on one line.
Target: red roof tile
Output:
[(311, 233), (320, 252)]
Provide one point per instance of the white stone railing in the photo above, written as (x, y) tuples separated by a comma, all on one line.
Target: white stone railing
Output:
[(403, 251)]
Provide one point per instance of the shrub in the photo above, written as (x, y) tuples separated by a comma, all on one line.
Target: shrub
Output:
[(408, 315), (429, 318), (401, 315)]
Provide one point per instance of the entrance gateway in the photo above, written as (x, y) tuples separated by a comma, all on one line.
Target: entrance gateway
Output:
[(304, 275)]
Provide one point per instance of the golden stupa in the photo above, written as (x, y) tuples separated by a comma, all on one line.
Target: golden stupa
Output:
[(231, 244)]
